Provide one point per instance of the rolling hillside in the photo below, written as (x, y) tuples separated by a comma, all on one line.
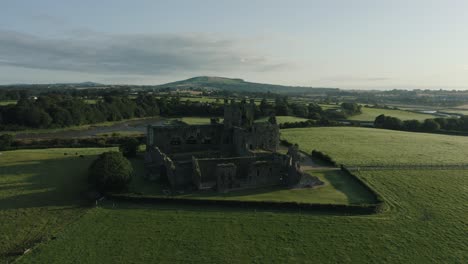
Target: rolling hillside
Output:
[(221, 83)]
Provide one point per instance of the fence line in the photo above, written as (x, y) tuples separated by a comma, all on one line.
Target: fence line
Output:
[(411, 167)]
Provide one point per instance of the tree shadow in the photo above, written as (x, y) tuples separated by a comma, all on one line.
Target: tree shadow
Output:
[(51, 182), (346, 184)]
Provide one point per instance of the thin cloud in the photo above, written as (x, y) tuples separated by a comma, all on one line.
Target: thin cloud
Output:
[(146, 54), (356, 79)]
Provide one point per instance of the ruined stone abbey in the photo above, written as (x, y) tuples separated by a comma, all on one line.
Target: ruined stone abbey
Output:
[(233, 155)]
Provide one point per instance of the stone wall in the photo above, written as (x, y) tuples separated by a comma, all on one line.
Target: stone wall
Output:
[(263, 136), (250, 172), (226, 177), (239, 114), (177, 139)]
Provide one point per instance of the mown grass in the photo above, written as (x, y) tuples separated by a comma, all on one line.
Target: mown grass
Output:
[(370, 146), (424, 223), (339, 188), (369, 114), (40, 193)]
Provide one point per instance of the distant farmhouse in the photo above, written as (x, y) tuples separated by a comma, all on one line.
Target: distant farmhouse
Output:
[(237, 154)]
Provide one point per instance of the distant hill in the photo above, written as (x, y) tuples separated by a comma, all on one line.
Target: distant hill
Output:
[(55, 85), (221, 83)]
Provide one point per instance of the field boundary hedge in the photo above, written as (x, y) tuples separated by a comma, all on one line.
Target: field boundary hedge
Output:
[(87, 142), (343, 209), (380, 205)]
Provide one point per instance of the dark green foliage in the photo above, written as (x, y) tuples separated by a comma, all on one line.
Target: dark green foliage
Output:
[(129, 147), (281, 106), (300, 110), (351, 108), (315, 111), (5, 141), (311, 123), (71, 142), (430, 125), (111, 171), (388, 122), (412, 125), (446, 125), (52, 111)]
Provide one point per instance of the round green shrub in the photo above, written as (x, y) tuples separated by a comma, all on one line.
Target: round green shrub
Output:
[(111, 171)]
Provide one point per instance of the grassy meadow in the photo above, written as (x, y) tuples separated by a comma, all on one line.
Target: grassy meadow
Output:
[(369, 114), (40, 194), (368, 146), (424, 223)]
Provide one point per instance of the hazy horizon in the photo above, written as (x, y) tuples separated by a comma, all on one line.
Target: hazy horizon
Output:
[(341, 44)]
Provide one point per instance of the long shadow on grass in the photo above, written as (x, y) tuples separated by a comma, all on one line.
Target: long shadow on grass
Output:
[(124, 205), (52, 182), (354, 191)]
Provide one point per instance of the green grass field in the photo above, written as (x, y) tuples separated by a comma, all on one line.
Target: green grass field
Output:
[(40, 194), (455, 111), (283, 119), (425, 220), (425, 223), (369, 146), (369, 114), (339, 188)]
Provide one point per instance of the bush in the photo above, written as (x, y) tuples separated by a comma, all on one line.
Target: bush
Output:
[(430, 125), (129, 147), (5, 141), (111, 171)]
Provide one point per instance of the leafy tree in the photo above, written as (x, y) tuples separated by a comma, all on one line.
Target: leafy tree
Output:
[(412, 125), (379, 121), (129, 147), (111, 171), (430, 125), (351, 108), (300, 110)]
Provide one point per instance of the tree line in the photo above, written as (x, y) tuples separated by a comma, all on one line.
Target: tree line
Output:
[(55, 111), (428, 125)]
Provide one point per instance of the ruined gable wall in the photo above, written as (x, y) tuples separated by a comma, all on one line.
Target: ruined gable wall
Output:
[(176, 139), (261, 136), (251, 172)]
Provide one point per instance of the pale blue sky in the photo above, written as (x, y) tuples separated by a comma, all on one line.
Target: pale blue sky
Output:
[(347, 44)]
